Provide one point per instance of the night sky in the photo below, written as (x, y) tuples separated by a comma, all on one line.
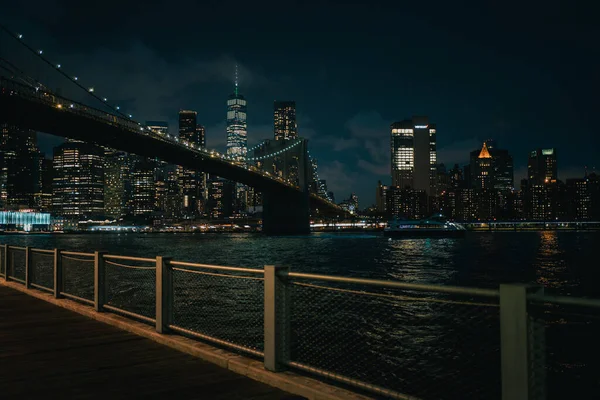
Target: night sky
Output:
[(525, 75)]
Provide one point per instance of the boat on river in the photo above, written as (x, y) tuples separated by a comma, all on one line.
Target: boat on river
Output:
[(434, 226)]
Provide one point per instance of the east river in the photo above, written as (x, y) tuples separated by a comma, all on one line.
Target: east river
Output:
[(454, 354)]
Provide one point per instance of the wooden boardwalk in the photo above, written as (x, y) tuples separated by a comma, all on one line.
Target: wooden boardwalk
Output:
[(49, 352)]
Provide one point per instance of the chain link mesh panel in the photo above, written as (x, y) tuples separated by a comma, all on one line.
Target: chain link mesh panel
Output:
[(571, 371), (434, 347), (226, 306), (78, 276), (42, 269), (131, 286), (17, 264)]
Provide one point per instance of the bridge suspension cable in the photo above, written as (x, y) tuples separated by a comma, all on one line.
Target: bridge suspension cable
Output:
[(276, 153), (58, 67)]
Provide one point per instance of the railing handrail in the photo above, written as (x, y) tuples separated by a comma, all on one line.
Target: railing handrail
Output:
[(564, 300), (217, 267), (129, 258), (17, 248), (76, 253), (400, 285)]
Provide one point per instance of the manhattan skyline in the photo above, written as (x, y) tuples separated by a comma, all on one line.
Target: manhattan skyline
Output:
[(478, 77)]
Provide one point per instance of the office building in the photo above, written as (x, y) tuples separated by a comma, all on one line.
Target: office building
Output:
[(221, 197), (237, 129), (542, 166), (192, 183), (78, 185), (20, 167), (117, 183), (406, 203), (43, 198), (414, 156), (380, 197), (143, 187), (284, 120), (492, 178), (187, 124)]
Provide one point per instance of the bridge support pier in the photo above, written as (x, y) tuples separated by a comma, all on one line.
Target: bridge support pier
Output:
[(286, 213)]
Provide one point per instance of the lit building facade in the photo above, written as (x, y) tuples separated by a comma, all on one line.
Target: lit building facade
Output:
[(380, 197), (117, 183), (143, 186), (406, 203), (414, 154), (161, 127), (284, 120), (192, 183), (221, 194), (237, 128), (492, 178), (78, 183), (542, 166), (20, 167), (24, 221)]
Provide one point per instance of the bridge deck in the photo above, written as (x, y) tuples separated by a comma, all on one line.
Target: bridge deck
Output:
[(47, 351)]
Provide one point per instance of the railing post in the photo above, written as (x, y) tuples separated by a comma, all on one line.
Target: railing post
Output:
[(58, 274), (6, 262), (164, 294), (277, 317), (516, 341), (99, 281), (28, 267)]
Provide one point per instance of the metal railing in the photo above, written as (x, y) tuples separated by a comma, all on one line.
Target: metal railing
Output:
[(392, 339)]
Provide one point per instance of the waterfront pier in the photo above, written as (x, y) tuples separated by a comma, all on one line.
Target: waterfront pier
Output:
[(300, 335)]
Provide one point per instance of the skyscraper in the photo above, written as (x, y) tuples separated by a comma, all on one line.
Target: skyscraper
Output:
[(542, 166), (21, 167), (143, 187), (187, 124), (414, 156), (284, 120), (117, 183), (192, 183), (78, 187), (237, 129)]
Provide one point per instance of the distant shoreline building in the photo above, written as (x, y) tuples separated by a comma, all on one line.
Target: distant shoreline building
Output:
[(414, 155), (78, 186)]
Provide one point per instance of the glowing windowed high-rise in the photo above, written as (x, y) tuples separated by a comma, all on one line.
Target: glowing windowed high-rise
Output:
[(284, 120), (413, 147), (237, 128)]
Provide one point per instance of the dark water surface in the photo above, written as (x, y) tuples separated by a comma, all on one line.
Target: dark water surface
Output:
[(435, 347), (563, 262)]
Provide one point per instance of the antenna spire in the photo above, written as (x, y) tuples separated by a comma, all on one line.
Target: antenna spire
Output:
[(236, 79)]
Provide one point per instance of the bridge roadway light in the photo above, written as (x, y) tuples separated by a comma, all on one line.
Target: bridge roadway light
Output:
[(75, 78), (57, 65), (20, 36), (91, 90)]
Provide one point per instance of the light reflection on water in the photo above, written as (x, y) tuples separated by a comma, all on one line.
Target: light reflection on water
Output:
[(561, 261)]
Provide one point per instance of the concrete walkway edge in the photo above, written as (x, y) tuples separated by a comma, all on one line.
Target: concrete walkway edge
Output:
[(293, 383)]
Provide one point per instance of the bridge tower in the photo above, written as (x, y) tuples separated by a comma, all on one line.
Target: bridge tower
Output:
[(285, 211)]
